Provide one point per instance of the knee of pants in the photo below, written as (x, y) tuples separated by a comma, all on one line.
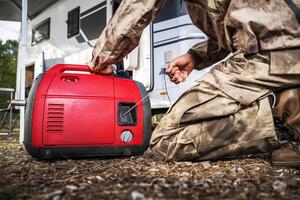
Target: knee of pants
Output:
[(175, 144), (170, 150), (165, 130), (159, 149)]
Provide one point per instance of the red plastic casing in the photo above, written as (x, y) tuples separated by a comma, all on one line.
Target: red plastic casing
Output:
[(73, 109)]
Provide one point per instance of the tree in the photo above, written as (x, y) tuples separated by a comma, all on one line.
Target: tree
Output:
[(8, 66)]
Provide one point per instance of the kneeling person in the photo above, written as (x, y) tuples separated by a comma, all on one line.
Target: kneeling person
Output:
[(230, 110)]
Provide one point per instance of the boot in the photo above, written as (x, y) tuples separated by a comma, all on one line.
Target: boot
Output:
[(286, 157), (286, 115)]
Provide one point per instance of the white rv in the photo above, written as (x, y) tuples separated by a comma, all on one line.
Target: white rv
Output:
[(66, 32)]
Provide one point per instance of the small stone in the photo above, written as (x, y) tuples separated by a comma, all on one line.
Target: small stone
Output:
[(83, 185), (215, 166), (137, 195), (145, 184), (279, 185), (257, 169), (71, 187), (209, 180), (206, 164), (99, 178), (219, 174), (154, 170), (185, 174), (189, 163), (281, 175), (53, 195), (184, 179), (279, 171), (206, 185), (240, 170), (236, 182)]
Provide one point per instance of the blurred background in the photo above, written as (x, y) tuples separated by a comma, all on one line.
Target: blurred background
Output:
[(9, 37)]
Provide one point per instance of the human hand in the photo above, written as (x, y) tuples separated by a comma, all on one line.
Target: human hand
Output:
[(180, 67), (105, 71)]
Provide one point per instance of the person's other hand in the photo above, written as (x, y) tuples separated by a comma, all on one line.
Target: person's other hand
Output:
[(180, 67)]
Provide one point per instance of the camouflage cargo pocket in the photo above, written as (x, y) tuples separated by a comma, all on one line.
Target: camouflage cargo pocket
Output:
[(285, 61)]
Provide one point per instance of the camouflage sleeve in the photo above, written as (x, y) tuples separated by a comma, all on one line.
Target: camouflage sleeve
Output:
[(207, 53), (123, 32)]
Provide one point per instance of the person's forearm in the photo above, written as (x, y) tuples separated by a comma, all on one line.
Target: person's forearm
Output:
[(123, 32)]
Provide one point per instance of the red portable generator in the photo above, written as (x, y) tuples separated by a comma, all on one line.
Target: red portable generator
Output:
[(71, 113)]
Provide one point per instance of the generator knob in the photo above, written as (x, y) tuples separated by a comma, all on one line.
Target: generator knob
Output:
[(126, 136)]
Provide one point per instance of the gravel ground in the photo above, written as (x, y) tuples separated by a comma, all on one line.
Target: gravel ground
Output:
[(141, 177)]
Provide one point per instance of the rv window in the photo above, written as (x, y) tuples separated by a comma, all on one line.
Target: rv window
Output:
[(93, 21), (73, 22), (41, 32), (172, 9), (116, 4)]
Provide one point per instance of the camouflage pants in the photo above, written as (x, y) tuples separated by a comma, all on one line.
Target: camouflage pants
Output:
[(225, 115)]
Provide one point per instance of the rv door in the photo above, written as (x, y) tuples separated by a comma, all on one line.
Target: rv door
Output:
[(138, 61)]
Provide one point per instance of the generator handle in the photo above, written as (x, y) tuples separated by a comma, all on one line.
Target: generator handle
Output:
[(61, 68)]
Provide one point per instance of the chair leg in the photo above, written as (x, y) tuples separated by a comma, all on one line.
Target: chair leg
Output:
[(10, 120), (3, 119), (14, 123)]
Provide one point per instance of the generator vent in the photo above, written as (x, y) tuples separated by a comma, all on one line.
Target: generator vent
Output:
[(55, 118)]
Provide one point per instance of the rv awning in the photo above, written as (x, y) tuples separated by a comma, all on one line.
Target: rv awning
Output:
[(11, 10)]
